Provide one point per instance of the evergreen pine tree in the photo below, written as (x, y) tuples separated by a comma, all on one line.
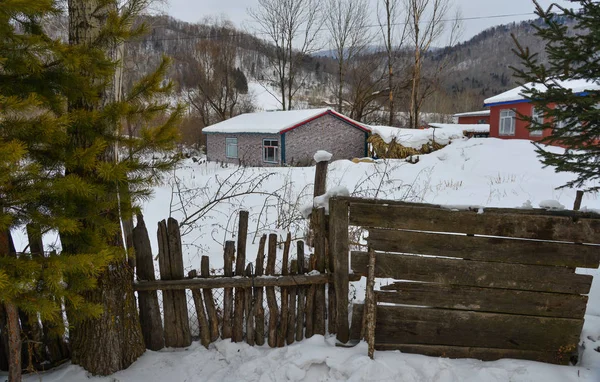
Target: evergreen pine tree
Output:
[(573, 118)]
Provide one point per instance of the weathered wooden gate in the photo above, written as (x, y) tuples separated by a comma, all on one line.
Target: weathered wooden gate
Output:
[(487, 285)]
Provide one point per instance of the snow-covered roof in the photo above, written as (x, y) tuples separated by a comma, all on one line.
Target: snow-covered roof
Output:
[(515, 95), (475, 128), (272, 122), (481, 113)]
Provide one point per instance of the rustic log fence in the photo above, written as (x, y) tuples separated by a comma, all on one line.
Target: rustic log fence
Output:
[(257, 304), (494, 284)]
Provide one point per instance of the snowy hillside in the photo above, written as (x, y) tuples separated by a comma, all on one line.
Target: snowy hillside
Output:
[(482, 172)]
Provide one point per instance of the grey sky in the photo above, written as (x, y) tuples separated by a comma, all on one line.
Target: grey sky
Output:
[(235, 10)]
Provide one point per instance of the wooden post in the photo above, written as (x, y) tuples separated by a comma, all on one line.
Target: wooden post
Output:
[(170, 261), (270, 291), (291, 322), (202, 320), (331, 304), (310, 303), (371, 304), (319, 244), (240, 264), (338, 241), (301, 293), (150, 320), (282, 334), (578, 199), (320, 178), (250, 306), (258, 294), (209, 301), (228, 255)]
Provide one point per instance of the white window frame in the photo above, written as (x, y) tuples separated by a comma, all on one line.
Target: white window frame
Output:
[(230, 143), (268, 145), (507, 116), (538, 116)]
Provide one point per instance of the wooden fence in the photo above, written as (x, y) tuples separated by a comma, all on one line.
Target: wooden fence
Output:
[(497, 284), (258, 304)]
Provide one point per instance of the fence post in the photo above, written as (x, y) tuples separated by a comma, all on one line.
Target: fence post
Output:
[(209, 301), (258, 294), (240, 265), (170, 261), (228, 255), (319, 245), (202, 320), (270, 291), (282, 334), (338, 242), (150, 320), (301, 293), (578, 199)]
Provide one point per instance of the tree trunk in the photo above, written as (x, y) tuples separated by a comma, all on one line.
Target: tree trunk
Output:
[(113, 341), (14, 342)]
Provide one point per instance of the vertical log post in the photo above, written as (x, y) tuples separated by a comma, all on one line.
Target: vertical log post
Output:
[(209, 301), (240, 265), (250, 306), (270, 291), (291, 322), (371, 304), (319, 244), (310, 303), (283, 322), (578, 199), (301, 292), (150, 320), (228, 255), (258, 294), (202, 320), (338, 241), (170, 261)]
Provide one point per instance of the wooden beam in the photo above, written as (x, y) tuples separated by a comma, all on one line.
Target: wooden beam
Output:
[(486, 248), (474, 273), (338, 241)]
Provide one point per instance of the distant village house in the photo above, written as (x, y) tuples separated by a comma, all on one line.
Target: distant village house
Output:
[(473, 118)]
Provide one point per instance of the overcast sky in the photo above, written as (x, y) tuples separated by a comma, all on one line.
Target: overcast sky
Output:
[(236, 11)]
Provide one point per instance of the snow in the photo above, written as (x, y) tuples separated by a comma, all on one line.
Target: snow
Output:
[(576, 86), (472, 128), (551, 205), (481, 113), (268, 122), (416, 138), (322, 156), (485, 172), (264, 97)]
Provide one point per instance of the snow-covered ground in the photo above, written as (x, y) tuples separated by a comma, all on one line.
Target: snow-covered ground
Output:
[(484, 172)]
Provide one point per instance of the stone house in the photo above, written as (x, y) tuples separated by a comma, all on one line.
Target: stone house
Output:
[(285, 138)]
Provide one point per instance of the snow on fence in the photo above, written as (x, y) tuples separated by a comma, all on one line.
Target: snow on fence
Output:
[(476, 283)]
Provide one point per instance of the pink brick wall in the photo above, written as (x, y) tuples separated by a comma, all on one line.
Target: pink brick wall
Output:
[(325, 133)]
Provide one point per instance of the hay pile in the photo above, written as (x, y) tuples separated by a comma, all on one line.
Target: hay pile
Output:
[(395, 150)]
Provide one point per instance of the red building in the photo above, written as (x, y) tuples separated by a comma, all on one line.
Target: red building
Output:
[(505, 109), (473, 117)]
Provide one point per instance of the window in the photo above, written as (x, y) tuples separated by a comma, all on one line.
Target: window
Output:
[(231, 147), (271, 150), (507, 122), (538, 117)]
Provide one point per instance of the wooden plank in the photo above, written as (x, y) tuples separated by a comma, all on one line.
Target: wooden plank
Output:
[(301, 292), (170, 259), (429, 326), (509, 224), (338, 241), (200, 313), (228, 255), (258, 294), (150, 320), (211, 309), (270, 292), (319, 245), (283, 319), (474, 273), (232, 282), (240, 265), (480, 353), (486, 248), (310, 304), (484, 299), (249, 309), (291, 322)]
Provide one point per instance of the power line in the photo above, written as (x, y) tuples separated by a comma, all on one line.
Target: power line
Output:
[(188, 37)]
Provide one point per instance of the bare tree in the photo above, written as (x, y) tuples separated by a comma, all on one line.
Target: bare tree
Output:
[(426, 26), (366, 87), (388, 15), (347, 23), (292, 27)]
